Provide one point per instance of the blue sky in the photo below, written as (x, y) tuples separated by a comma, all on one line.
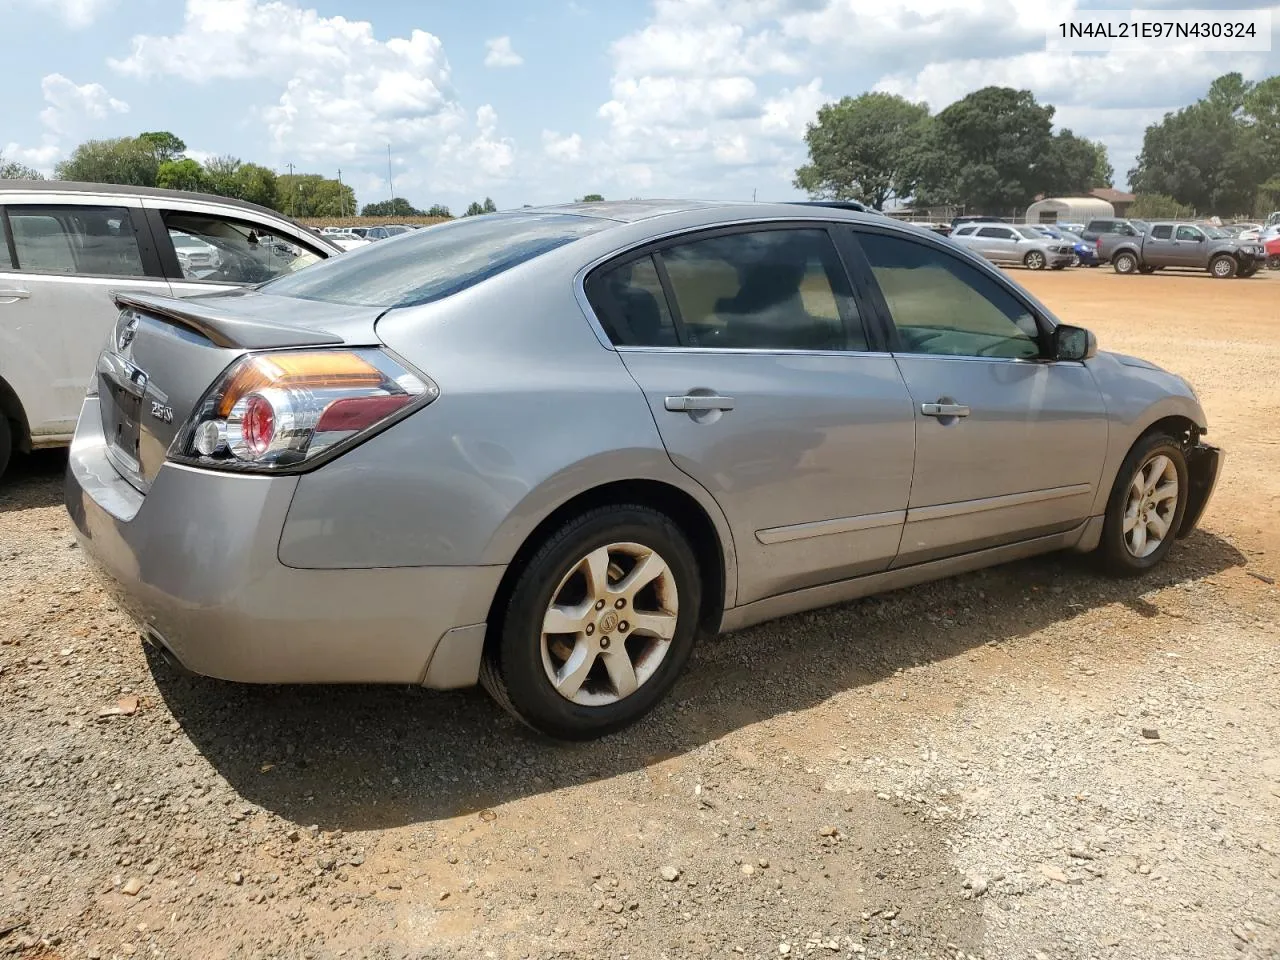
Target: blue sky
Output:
[(544, 100)]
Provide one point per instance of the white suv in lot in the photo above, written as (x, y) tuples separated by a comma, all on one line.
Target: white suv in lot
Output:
[(69, 246)]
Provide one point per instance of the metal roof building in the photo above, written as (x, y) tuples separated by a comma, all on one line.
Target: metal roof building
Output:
[(1068, 209)]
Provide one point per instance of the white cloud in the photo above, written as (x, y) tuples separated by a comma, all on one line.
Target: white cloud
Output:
[(76, 14), (41, 158), (342, 94), (566, 149), (500, 54), (69, 104)]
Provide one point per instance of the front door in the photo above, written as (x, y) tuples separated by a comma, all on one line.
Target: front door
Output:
[(1009, 446), (56, 310), (752, 354), (1188, 247)]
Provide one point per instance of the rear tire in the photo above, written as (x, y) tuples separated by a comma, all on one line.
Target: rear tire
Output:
[(1223, 267), (1155, 462), (1125, 262), (578, 684), (6, 443)]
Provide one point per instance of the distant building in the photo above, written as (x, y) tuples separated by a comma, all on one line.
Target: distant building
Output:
[(1069, 210), (1118, 199)]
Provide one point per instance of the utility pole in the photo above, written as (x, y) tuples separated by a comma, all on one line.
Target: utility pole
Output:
[(342, 195), (753, 194), (390, 182), (293, 192)]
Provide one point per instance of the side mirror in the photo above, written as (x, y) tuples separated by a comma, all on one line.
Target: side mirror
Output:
[(1073, 343)]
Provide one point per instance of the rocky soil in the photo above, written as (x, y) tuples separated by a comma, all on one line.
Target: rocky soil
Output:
[(1028, 762)]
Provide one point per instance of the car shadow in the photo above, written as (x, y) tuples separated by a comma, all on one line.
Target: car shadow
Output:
[(361, 758), (33, 480)]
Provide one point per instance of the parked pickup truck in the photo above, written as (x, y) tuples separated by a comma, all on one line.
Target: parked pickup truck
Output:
[(1182, 246)]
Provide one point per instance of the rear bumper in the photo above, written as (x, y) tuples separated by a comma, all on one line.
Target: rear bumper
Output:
[(195, 562), (1203, 464)]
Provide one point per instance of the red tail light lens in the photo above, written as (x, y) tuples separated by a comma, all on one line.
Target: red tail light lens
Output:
[(259, 425), (289, 409)]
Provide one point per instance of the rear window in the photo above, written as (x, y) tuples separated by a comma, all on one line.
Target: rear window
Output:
[(436, 262)]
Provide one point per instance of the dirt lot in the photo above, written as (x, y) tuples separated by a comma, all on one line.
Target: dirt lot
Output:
[(1031, 762)]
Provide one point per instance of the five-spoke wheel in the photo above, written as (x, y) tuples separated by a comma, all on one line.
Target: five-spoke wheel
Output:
[(1147, 502)]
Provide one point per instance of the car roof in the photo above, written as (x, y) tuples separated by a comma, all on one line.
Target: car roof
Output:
[(128, 190)]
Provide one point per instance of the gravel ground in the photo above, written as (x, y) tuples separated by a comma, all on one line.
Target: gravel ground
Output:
[(1028, 762)]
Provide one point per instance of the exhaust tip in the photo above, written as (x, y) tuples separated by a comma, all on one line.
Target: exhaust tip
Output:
[(156, 641)]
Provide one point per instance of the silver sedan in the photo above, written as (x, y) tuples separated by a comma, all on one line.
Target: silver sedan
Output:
[(546, 449)]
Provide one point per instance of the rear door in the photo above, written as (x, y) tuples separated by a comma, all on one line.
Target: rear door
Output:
[(769, 390), (65, 257), (1009, 446)]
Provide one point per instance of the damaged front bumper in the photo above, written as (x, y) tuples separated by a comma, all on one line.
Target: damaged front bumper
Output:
[(1203, 464)]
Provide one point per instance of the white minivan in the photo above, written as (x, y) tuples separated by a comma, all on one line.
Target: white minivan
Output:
[(69, 246)]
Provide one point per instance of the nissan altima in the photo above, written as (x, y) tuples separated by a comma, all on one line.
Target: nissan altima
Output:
[(546, 449)]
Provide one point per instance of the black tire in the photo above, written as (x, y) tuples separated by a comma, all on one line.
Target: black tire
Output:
[(512, 670), (1146, 271), (1124, 262), (1059, 266), (6, 442), (1034, 260), (1223, 267), (1075, 259), (1248, 271), (1113, 550)]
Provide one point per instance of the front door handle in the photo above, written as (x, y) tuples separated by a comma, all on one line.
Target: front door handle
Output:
[(944, 409), (694, 401), (14, 294)]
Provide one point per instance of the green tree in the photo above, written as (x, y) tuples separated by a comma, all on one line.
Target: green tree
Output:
[(439, 210), (13, 170), (395, 207), (122, 160), (1103, 173), (1211, 155), (1069, 165), (592, 198), (988, 151), (164, 145), (1157, 206), (864, 148), (228, 176), (311, 195), (489, 206), (474, 209), (184, 174)]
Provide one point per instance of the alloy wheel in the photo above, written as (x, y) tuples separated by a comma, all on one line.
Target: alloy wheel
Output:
[(609, 624), (1150, 506)]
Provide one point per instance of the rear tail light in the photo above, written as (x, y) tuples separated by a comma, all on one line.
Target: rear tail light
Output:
[(270, 412)]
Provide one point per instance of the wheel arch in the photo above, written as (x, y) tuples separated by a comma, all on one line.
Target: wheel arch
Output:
[(701, 522), (11, 408)]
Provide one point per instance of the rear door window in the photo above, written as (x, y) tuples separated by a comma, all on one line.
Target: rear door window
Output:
[(1162, 232), (222, 250), (764, 290), (996, 233), (75, 240)]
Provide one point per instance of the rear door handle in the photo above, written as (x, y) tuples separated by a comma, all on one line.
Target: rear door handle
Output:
[(693, 401), (944, 409), (13, 294)]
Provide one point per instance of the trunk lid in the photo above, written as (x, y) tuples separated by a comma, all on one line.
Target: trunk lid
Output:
[(165, 353)]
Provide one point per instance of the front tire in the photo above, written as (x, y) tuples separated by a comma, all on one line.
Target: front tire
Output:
[(599, 625), (1146, 506), (1125, 263), (1223, 267), (1034, 260)]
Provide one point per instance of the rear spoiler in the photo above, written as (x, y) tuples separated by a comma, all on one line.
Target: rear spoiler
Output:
[(223, 328)]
